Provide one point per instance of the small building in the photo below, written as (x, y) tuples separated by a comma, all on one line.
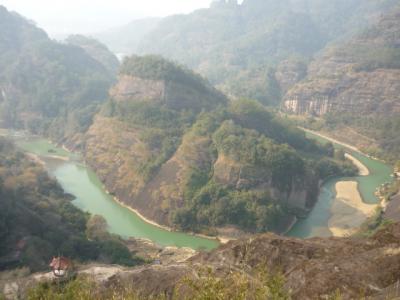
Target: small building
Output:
[(61, 267)]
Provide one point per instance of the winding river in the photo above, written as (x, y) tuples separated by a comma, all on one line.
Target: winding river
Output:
[(316, 224), (78, 180)]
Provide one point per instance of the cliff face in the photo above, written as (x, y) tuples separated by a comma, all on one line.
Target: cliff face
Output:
[(117, 148), (360, 75), (166, 145)]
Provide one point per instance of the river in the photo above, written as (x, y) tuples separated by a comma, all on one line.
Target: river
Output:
[(316, 224), (80, 181)]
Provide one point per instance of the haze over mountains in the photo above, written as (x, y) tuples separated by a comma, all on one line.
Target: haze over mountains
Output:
[(198, 131)]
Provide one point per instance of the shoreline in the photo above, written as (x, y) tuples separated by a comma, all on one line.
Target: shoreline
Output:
[(37, 158), (348, 211), (362, 169), (333, 140), (220, 239)]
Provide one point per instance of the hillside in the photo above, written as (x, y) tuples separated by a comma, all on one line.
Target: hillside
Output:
[(38, 220), (169, 145), (240, 47), (262, 267), (96, 50), (355, 83), (49, 88)]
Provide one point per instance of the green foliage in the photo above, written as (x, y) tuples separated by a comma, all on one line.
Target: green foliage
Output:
[(383, 129), (252, 115), (51, 88), (157, 68), (372, 58), (327, 167), (161, 129), (215, 205), (39, 216), (267, 150), (235, 285), (96, 50), (207, 285), (236, 46)]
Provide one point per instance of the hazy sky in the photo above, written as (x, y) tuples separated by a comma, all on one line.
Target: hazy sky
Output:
[(85, 16)]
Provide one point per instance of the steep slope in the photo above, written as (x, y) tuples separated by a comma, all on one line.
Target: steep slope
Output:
[(170, 146), (46, 87), (96, 50), (356, 83), (262, 267), (238, 47)]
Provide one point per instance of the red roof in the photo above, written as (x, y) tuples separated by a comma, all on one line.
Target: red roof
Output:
[(60, 263)]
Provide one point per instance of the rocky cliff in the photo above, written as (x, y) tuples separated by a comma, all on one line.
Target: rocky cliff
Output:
[(360, 75), (167, 145), (318, 268)]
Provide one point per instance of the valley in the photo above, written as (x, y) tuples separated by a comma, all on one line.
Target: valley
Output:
[(90, 196), (247, 150)]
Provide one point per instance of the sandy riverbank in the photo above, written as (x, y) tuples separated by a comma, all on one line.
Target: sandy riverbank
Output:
[(362, 169), (348, 211)]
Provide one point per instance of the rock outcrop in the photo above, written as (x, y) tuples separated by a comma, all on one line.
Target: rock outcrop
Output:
[(154, 143), (316, 268), (359, 76)]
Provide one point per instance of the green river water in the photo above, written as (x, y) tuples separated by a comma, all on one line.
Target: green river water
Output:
[(78, 180), (316, 224)]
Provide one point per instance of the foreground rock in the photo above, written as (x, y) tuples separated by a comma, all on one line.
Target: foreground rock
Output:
[(314, 269)]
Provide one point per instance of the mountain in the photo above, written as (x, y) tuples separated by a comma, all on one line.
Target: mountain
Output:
[(125, 40), (96, 50), (171, 146), (47, 87), (355, 83), (38, 220), (239, 47)]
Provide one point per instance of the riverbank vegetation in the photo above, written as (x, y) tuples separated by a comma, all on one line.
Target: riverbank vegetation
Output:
[(265, 151), (38, 220)]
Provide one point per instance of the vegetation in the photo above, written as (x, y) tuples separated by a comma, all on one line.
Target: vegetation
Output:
[(238, 47), (38, 221), (96, 50), (49, 88), (208, 285), (383, 129), (267, 150)]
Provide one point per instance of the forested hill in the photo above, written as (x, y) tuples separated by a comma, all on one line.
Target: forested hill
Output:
[(96, 50), (240, 47), (47, 87), (356, 83), (171, 146), (38, 220)]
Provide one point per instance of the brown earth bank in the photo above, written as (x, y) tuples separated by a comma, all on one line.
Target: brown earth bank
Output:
[(313, 269)]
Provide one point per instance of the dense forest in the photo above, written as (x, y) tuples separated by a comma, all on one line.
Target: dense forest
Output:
[(271, 155), (240, 164), (96, 50), (47, 87), (240, 48), (38, 220)]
